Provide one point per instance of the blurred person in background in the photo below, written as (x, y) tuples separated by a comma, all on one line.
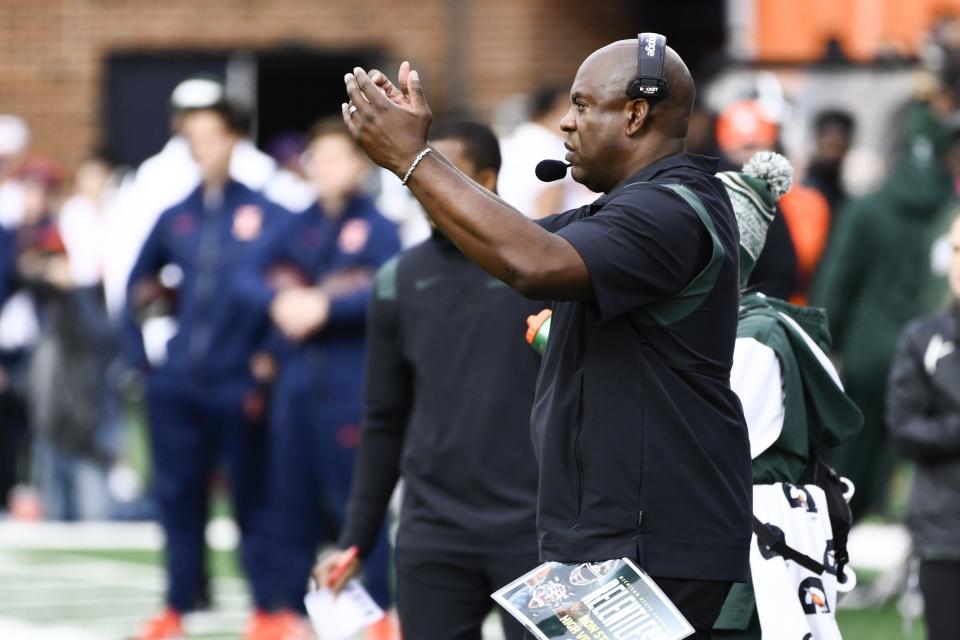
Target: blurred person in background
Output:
[(702, 138), (19, 326), (935, 287), (85, 220), (795, 410), (13, 419), (14, 142), (286, 148), (744, 128), (203, 405), (923, 416), (833, 131), (75, 433), (538, 139), (171, 175), (399, 207), (798, 236), (461, 442), (314, 283), (871, 282)]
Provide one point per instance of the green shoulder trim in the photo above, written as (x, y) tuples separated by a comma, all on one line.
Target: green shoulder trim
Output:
[(385, 283), (687, 301)]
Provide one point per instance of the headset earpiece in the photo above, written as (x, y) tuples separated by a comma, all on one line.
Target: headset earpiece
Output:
[(649, 82)]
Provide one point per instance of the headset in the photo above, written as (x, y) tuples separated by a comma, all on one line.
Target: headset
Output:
[(649, 83)]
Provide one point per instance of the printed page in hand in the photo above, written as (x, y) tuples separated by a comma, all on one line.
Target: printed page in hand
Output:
[(612, 600), (342, 616)]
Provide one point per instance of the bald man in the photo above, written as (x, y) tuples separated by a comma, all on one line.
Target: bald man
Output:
[(641, 444)]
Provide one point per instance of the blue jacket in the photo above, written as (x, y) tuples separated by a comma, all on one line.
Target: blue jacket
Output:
[(341, 255), (8, 264), (210, 245)]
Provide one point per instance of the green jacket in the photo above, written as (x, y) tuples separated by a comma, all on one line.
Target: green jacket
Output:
[(873, 277), (812, 404)]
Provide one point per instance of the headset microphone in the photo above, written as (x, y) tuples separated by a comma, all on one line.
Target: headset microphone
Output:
[(649, 83), (550, 170)]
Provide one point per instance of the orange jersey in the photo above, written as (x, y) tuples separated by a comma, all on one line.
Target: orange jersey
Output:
[(807, 214)]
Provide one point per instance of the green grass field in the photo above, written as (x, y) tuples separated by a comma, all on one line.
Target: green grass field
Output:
[(52, 590), (875, 624)]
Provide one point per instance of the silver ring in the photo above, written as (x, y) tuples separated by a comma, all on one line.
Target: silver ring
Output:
[(352, 108)]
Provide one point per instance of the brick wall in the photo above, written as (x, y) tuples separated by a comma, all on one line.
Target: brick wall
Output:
[(52, 51)]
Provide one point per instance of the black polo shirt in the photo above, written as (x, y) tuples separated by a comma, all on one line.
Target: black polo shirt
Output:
[(642, 445)]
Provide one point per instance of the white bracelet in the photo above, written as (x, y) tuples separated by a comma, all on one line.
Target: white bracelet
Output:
[(416, 161)]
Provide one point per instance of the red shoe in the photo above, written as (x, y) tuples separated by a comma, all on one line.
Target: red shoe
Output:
[(284, 625), (290, 626), (383, 629), (260, 626), (166, 626)]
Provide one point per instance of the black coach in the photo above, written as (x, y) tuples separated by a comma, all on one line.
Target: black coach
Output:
[(641, 443), (449, 386)]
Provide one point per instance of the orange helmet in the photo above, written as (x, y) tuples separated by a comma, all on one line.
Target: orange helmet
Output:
[(746, 123)]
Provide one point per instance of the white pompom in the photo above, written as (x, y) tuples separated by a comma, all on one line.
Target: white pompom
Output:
[(772, 168)]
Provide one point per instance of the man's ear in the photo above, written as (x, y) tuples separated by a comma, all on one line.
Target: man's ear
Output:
[(488, 179), (637, 112)]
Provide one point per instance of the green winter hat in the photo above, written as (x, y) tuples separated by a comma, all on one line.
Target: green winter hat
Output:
[(754, 192)]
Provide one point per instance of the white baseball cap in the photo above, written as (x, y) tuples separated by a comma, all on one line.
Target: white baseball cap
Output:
[(197, 93)]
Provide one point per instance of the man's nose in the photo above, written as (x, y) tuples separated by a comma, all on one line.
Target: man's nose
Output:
[(568, 122)]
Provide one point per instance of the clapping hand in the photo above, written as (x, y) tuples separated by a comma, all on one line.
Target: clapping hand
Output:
[(389, 122)]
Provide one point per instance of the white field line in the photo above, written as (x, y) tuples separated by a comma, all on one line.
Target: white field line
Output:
[(92, 618), (17, 630), (141, 536), (111, 599), (84, 574), (107, 571), (70, 603), (215, 622)]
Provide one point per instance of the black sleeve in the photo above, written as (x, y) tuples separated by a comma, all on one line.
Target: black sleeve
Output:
[(387, 400), (775, 273), (559, 220), (638, 251), (917, 431)]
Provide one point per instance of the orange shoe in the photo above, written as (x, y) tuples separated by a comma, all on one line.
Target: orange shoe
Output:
[(260, 626), (383, 629), (284, 625), (290, 626), (166, 626)]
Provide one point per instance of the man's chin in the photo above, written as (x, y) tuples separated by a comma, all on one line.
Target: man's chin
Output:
[(578, 174)]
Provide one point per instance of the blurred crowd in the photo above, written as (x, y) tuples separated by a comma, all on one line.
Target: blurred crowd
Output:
[(90, 299)]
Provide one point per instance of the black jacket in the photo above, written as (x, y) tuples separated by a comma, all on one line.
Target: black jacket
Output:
[(449, 386), (642, 444), (923, 414)]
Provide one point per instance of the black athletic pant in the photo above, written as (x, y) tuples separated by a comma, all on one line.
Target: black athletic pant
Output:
[(699, 601), (446, 596), (940, 586)]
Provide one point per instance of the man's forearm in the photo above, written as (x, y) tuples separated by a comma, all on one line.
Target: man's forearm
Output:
[(374, 479), (500, 239)]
